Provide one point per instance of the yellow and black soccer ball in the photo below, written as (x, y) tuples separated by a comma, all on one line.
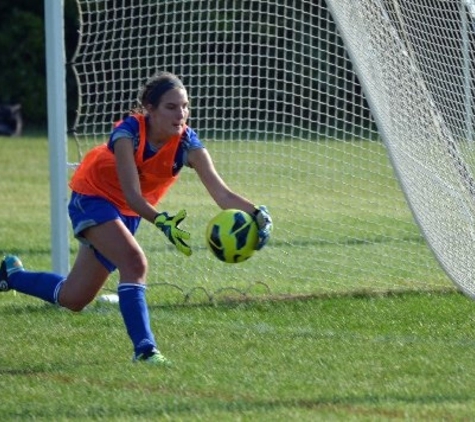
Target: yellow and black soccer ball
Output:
[(232, 236)]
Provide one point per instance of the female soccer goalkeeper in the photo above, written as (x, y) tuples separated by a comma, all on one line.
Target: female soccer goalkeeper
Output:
[(118, 184)]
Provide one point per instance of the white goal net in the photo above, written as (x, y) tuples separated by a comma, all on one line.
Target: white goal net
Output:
[(415, 61), (276, 101)]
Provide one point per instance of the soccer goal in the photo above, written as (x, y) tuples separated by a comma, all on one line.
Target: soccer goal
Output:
[(415, 61), (335, 114)]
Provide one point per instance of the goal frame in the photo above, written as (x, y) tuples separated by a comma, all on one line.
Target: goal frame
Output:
[(57, 120), (57, 133)]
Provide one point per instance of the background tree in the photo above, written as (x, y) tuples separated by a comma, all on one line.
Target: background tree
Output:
[(22, 62)]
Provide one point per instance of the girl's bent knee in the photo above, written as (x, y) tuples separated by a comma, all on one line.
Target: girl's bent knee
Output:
[(75, 306), (134, 269)]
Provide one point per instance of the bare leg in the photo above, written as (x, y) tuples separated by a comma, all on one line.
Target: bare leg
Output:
[(84, 281), (88, 275), (114, 241)]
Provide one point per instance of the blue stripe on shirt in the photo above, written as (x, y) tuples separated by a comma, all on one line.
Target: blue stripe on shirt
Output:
[(129, 128)]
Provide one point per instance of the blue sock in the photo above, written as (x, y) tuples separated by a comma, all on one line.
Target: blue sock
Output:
[(45, 286), (133, 307)]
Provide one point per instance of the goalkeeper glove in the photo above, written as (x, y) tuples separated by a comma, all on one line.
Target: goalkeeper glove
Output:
[(169, 225), (264, 225)]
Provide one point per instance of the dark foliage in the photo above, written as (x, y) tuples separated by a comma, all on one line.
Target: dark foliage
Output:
[(22, 62)]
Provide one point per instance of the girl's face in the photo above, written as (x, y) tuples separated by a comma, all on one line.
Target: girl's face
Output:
[(169, 118)]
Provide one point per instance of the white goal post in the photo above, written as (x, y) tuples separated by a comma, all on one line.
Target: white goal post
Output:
[(288, 96), (57, 139)]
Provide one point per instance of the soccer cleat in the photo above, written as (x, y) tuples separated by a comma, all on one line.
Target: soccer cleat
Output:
[(10, 265), (154, 357)]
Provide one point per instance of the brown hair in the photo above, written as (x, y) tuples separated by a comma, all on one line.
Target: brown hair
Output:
[(153, 90)]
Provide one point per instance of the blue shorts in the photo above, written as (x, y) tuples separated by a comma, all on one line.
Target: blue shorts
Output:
[(87, 211)]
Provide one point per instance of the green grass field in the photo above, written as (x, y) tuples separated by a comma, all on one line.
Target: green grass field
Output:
[(345, 353)]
